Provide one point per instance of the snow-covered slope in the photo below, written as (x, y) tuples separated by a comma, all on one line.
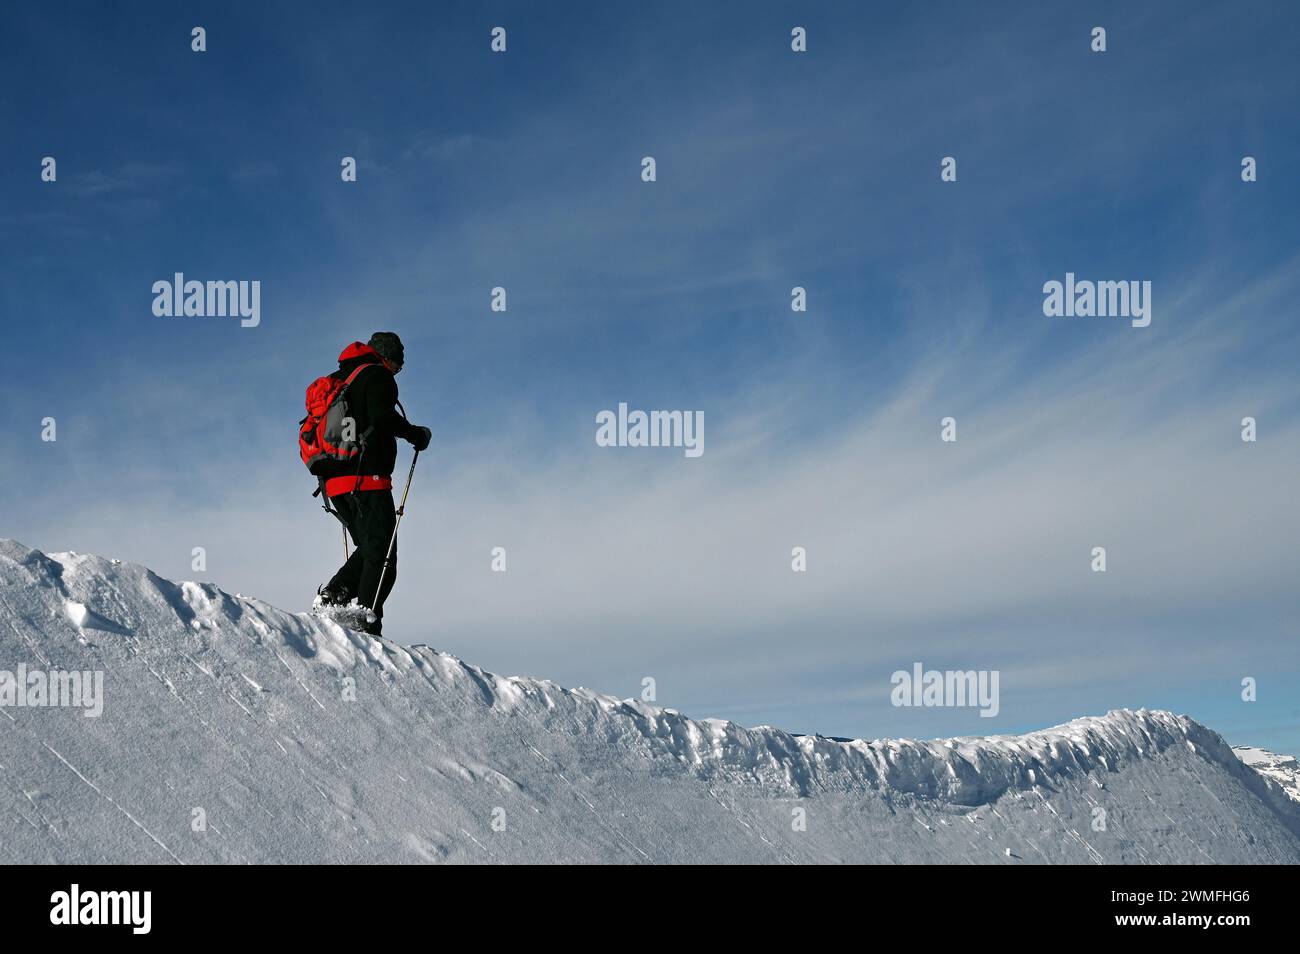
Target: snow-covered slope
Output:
[(232, 731), (1283, 769)]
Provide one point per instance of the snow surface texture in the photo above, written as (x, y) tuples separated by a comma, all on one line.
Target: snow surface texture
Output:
[(1282, 769), (233, 731)]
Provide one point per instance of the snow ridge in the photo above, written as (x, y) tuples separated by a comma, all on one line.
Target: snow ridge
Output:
[(261, 683), (964, 771)]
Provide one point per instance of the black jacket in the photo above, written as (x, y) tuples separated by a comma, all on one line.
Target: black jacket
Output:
[(371, 401)]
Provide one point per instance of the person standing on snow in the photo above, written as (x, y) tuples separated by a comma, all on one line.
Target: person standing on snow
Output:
[(362, 492)]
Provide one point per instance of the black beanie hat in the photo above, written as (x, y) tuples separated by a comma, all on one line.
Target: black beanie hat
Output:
[(388, 345)]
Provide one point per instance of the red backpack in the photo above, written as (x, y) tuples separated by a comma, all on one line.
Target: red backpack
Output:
[(328, 432)]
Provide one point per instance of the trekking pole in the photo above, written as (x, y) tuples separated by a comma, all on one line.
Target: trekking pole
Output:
[(345, 545), (401, 508)]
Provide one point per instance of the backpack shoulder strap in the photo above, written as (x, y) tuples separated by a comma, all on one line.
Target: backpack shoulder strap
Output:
[(355, 371)]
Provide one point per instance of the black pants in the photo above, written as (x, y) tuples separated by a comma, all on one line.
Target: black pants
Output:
[(370, 517)]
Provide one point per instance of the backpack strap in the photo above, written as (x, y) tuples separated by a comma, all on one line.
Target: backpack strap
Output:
[(348, 381), (362, 439), (325, 500), (355, 371)]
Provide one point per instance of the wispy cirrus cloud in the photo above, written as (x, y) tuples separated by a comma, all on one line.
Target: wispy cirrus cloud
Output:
[(127, 177)]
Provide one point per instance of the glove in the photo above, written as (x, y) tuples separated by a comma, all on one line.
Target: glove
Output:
[(420, 440)]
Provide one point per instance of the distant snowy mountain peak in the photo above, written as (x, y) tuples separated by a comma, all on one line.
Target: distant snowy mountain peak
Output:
[(294, 739), (1283, 769)]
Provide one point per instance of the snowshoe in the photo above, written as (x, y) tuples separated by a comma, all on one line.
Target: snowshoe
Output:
[(353, 615), (333, 596)]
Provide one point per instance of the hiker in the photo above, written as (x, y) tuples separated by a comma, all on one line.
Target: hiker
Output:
[(358, 480)]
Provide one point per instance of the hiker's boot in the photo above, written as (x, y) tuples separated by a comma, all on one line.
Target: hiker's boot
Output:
[(334, 595)]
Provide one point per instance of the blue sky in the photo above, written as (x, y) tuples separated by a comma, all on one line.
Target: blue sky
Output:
[(774, 170)]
